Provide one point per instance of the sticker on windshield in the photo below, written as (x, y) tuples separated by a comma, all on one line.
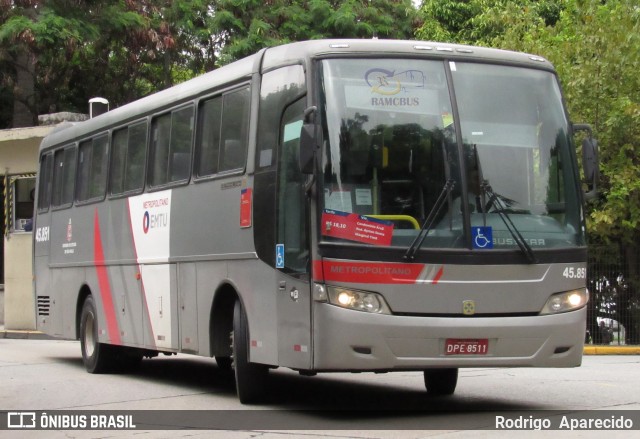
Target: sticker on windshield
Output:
[(482, 237), (279, 255), (354, 227)]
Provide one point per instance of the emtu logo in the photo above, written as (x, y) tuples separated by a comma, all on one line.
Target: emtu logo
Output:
[(152, 221), (146, 222)]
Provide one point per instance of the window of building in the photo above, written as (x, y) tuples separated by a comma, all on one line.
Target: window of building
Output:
[(21, 201)]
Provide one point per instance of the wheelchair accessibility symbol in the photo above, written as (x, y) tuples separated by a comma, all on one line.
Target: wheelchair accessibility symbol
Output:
[(482, 237)]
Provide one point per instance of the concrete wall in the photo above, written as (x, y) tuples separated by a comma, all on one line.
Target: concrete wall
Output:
[(19, 301), (19, 155)]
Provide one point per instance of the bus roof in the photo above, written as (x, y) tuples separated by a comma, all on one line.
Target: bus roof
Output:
[(286, 54), (266, 59)]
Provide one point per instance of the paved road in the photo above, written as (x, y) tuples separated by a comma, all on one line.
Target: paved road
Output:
[(49, 375)]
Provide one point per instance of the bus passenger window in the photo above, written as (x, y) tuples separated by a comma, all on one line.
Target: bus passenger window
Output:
[(64, 176), (235, 125), (171, 147), (92, 168), (127, 159), (208, 143), (44, 184)]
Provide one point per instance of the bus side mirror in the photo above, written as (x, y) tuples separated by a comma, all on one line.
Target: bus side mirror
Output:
[(306, 158), (590, 164)]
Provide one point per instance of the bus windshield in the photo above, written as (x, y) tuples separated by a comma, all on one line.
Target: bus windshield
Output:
[(392, 146)]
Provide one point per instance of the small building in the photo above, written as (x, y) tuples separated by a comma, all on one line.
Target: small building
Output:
[(19, 163)]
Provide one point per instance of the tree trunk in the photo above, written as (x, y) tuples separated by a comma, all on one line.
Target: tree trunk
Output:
[(24, 112)]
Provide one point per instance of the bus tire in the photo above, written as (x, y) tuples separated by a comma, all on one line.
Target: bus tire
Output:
[(440, 381), (97, 357), (251, 378)]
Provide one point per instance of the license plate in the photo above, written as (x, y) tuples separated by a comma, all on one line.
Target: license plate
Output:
[(457, 346)]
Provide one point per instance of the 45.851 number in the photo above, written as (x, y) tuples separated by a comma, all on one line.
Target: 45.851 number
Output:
[(575, 273)]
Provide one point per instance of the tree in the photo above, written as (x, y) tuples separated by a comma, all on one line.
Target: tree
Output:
[(123, 50), (249, 25), (55, 54), (479, 22)]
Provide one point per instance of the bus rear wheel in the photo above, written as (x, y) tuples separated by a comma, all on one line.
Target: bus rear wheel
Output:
[(440, 381), (97, 357), (251, 378)]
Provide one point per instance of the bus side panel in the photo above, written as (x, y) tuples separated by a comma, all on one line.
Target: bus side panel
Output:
[(257, 285), (188, 307), (253, 280), (161, 299), (45, 300), (64, 287), (209, 276), (207, 227), (127, 297)]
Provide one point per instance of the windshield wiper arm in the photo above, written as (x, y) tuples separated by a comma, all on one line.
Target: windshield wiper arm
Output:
[(495, 199), (426, 226), (506, 219)]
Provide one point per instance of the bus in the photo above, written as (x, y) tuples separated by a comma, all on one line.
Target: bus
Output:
[(324, 206)]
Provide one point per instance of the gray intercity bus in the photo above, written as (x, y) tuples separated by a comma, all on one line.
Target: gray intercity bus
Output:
[(340, 205)]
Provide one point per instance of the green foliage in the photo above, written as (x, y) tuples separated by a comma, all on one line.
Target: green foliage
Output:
[(249, 25), (595, 47), (128, 48)]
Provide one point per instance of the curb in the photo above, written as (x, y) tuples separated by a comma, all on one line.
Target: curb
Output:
[(612, 350), (24, 335)]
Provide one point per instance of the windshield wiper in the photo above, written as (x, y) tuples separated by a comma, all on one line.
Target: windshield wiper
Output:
[(426, 226), (501, 210)]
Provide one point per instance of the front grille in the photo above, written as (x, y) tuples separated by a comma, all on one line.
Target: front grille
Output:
[(44, 304)]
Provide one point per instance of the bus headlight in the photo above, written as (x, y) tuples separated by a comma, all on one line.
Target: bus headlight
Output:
[(358, 300), (566, 301)]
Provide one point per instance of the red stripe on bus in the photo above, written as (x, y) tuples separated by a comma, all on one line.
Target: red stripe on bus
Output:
[(369, 272), (103, 283), (317, 273), (438, 276)]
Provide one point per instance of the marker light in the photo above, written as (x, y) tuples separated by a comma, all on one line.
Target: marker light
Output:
[(566, 301), (358, 300)]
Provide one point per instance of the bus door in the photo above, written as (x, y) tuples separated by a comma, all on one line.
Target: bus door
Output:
[(292, 247)]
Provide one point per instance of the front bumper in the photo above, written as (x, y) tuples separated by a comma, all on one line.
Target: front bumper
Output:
[(346, 340)]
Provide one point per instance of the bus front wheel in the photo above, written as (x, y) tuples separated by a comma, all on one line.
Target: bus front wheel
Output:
[(97, 357), (251, 378), (440, 381)]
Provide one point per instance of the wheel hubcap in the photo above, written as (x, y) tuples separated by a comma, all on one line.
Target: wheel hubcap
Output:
[(89, 339)]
